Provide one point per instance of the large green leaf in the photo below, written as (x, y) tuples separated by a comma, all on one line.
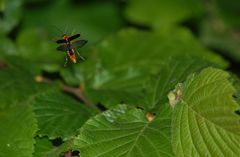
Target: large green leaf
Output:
[(162, 13), (93, 20), (59, 115), (125, 132), (118, 66), (18, 128), (205, 123)]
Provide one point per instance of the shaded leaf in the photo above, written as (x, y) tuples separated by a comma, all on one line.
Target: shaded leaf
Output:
[(17, 82), (162, 13), (204, 122), (59, 115), (92, 20), (11, 14), (35, 45), (125, 131)]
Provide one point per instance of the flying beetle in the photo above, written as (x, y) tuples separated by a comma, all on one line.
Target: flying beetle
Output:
[(69, 46)]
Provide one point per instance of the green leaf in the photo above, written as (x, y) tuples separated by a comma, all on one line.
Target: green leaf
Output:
[(11, 15), (7, 46), (125, 131), (18, 128), (59, 115), (204, 123), (162, 13), (116, 69), (17, 82), (44, 148), (37, 47), (172, 71), (93, 20)]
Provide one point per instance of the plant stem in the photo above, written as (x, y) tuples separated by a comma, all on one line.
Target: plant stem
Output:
[(79, 94)]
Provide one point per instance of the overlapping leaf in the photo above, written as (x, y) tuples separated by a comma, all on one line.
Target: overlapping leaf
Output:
[(125, 131), (205, 123), (162, 13), (116, 70), (59, 115), (172, 71), (44, 148)]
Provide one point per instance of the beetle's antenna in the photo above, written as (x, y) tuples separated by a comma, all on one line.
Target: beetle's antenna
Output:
[(66, 29), (58, 29)]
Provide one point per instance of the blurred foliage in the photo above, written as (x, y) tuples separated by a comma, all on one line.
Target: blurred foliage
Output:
[(157, 67)]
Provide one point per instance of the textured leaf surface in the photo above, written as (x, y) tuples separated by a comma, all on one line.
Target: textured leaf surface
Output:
[(160, 13), (205, 123), (125, 132), (59, 115), (18, 128), (172, 71), (117, 68)]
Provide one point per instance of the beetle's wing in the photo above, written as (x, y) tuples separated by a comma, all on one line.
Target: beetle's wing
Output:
[(73, 37), (60, 41), (79, 43), (62, 48)]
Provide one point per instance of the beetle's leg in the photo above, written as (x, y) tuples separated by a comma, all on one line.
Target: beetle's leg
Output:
[(81, 56), (66, 61)]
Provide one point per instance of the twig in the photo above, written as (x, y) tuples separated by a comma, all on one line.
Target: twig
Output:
[(79, 94)]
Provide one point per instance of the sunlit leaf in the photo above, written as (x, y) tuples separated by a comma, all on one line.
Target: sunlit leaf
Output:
[(205, 123), (125, 132)]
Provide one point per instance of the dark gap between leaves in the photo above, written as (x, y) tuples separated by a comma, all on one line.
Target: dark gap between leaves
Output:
[(193, 25), (1, 15), (14, 32), (32, 5), (237, 112), (101, 107), (57, 142), (52, 76), (234, 65)]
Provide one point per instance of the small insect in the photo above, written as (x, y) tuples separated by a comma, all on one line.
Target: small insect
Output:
[(69, 46)]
